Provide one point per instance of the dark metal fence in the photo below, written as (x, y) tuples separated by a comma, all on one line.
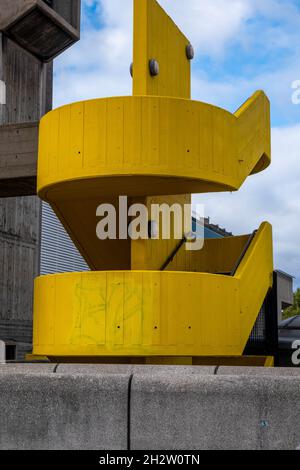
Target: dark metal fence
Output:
[(263, 340)]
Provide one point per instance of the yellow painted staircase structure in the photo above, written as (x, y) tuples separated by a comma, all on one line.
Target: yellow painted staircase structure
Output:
[(149, 147)]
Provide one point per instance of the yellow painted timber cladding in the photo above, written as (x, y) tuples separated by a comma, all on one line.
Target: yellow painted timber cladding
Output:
[(157, 37), (218, 256), (92, 152), (142, 146), (149, 146), (150, 313)]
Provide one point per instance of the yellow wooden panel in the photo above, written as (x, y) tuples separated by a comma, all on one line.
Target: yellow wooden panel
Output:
[(151, 254), (44, 304), (206, 138), (115, 132), (152, 311), (256, 276), (95, 141), (52, 150), (76, 136), (133, 309), (132, 136), (115, 310), (68, 300), (63, 151), (91, 294), (157, 37), (218, 142), (254, 134), (78, 215), (218, 256), (150, 132)]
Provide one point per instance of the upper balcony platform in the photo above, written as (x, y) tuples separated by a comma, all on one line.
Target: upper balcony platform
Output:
[(151, 145)]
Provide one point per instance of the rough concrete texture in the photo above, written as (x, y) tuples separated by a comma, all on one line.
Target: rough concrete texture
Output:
[(45, 406), (260, 371), (63, 412), (133, 369), (215, 412), (27, 368)]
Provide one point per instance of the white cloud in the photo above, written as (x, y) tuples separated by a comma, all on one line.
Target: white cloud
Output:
[(99, 64), (210, 24)]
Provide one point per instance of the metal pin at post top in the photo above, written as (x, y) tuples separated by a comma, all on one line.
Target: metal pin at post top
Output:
[(153, 67), (190, 52)]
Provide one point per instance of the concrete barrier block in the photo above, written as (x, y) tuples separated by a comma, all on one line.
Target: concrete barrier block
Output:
[(260, 371), (27, 368), (133, 369), (63, 412), (2, 353), (214, 412)]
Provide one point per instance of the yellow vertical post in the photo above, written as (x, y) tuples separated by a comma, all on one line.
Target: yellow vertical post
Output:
[(156, 37)]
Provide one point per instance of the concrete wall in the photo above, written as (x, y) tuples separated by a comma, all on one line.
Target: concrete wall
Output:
[(19, 242), (48, 406), (25, 96), (284, 292), (28, 85), (69, 10)]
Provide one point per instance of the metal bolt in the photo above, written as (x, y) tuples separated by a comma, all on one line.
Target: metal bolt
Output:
[(153, 67), (131, 69), (190, 52), (264, 424)]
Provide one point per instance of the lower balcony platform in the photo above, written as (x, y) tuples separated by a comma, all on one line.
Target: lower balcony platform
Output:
[(153, 313)]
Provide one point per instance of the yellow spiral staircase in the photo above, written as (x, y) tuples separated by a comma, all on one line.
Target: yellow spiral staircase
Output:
[(133, 305)]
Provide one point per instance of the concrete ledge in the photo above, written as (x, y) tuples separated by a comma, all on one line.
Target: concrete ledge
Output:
[(48, 406), (260, 371), (27, 368), (215, 412), (133, 369), (63, 412)]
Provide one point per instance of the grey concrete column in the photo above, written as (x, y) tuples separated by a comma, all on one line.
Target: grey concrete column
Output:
[(2, 353)]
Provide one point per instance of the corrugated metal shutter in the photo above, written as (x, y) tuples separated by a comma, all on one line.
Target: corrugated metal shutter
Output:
[(58, 252)]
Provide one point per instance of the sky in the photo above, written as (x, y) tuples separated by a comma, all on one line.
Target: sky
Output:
[(241, 46)]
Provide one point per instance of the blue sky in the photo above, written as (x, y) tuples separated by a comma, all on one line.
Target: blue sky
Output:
[(241, 46)]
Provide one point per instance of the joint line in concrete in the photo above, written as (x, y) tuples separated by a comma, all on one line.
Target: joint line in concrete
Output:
[(129, 413)]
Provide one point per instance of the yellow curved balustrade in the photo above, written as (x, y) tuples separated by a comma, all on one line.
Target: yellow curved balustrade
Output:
[(150, 145), (150, 313)]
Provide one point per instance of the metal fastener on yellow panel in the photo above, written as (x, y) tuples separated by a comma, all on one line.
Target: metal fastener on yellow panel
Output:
[(150, 313)]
